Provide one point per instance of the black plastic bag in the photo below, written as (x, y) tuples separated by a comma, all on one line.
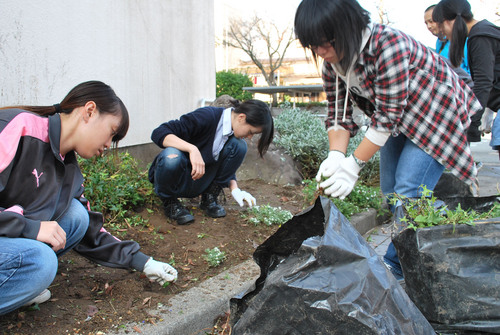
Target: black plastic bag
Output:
[(452, 273), (319, 276)]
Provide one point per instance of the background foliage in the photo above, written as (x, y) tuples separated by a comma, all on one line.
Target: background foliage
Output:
[(231, 83)]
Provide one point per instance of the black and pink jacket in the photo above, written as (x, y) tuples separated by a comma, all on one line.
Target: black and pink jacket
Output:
[(37, 184)]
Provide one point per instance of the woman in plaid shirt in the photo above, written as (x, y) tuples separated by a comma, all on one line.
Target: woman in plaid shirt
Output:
[(419, 109)]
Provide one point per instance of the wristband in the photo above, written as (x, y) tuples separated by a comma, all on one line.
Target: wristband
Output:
[(358, 161), (343, 153)]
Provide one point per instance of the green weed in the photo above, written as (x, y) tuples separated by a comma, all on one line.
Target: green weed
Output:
[(360, 199), (267, 215), (214, 256), (422, 212)]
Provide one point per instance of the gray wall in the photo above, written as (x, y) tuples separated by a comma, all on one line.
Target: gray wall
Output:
[(158, 55)]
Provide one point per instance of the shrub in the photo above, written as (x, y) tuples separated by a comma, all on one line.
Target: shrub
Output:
[(232, 84), (114, 185), (303, 136)]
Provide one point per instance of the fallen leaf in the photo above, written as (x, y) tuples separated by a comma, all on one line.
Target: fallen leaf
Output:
[(146, 300), (92, 310), (137, 329), (108, 288), (191, 262), (284, 199), (185, 268)]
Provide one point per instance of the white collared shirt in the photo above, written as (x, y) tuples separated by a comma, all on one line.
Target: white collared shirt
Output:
[(224, 130)]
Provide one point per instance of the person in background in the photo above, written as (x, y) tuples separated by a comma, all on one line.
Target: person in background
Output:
[(442, 43), (42, 212), (419, 109), (483, 41), (202, 151)]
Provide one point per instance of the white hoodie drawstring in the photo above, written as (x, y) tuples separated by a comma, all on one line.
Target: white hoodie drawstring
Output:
[(337, 98), (346, 96)]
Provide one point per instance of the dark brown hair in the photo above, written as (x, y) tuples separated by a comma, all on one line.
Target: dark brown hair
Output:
[(258, 114), (104, 97)]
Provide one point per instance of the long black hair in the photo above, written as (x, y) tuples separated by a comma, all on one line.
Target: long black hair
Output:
[(340, 22), (104, 97), (259, 115), (460, 11)]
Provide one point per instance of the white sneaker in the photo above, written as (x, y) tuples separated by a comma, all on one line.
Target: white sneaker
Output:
[(42, 297)]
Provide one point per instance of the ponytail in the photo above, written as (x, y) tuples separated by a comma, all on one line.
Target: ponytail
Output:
[(460, 11)]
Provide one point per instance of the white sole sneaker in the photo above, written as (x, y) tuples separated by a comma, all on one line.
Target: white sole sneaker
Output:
[(41, 298)]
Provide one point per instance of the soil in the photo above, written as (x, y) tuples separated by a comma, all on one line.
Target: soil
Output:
[(91, 299)]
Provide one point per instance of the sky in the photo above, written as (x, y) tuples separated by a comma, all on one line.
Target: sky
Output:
[(406, 15)]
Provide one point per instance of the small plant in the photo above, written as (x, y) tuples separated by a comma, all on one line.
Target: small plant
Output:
[(425, 211), (268, 215), (171, 261), (214, 256)]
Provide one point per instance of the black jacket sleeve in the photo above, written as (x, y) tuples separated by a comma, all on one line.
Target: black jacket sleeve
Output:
[(103, 248)]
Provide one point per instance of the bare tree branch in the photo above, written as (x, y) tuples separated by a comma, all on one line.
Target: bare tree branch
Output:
[(263, 42)]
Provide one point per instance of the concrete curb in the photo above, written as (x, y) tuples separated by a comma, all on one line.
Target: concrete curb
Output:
[(194, 312)]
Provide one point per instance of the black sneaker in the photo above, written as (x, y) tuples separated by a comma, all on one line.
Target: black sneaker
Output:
[(209, 202), (174, 210)]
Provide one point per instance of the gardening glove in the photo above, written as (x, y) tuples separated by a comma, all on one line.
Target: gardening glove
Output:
[(241, 196), (344, 179), (330, 164), (159, 271)]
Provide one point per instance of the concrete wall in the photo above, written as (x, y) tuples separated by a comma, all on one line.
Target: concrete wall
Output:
[(158, 55)]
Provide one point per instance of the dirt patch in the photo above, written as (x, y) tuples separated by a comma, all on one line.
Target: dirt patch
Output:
[(92, 299)]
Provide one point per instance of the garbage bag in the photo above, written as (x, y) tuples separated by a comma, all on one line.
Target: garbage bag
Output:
[(319, 276), (452, 273)]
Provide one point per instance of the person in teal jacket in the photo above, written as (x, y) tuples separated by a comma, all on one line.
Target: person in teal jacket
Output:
[(442, 43)]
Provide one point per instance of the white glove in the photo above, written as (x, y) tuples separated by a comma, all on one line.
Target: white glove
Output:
[(344, 179), (159, 271), (241, 196), (330, 164)]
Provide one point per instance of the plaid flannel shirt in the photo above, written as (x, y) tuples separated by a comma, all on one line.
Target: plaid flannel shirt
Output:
[(410, 91)]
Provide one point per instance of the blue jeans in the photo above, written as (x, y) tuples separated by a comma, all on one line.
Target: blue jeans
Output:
[(172, 174), (404, 168), (27, 266), (495, 133)]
